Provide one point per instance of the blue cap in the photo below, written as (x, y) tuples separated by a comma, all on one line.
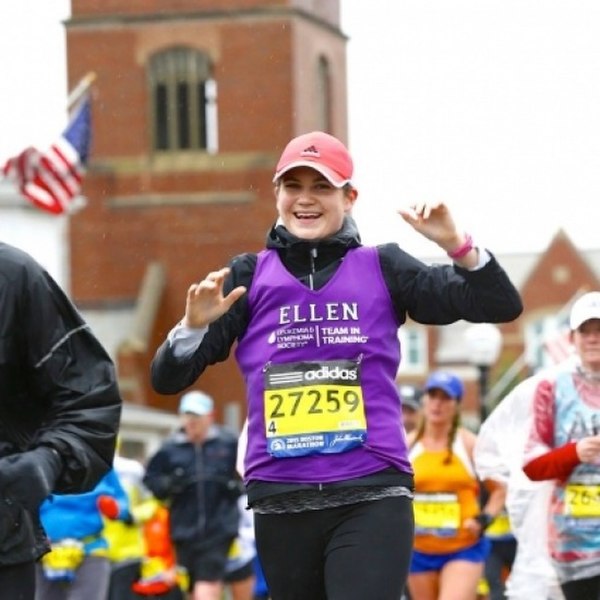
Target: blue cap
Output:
[(447, 382), (196, 402)]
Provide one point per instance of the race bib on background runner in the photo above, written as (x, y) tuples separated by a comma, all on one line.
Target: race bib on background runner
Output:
[(582, 501), (436, 514)]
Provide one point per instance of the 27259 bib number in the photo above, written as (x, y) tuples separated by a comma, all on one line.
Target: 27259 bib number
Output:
[(313, 408), (316, 401)]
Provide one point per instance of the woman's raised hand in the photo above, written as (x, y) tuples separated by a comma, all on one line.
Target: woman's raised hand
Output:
[(434, 221), (205, 301)]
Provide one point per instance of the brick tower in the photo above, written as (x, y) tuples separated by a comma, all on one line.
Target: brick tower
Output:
[(193, 102)]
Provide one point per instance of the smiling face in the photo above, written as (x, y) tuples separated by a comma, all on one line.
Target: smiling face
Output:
[(309, 206)]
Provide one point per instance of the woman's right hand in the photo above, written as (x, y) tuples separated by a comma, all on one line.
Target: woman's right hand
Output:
[(205, 301)]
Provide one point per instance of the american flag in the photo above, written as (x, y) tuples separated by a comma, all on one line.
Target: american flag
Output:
[(52, 180)]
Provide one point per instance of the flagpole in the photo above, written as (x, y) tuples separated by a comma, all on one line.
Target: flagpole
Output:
[(80, 89)]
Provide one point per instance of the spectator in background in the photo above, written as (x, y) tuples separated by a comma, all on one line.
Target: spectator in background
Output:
[(126, 546), (59, 411), (160, 575), (449, 550), (564, 447), (78, 567), (195, 470), (498, 454), (410, 396)]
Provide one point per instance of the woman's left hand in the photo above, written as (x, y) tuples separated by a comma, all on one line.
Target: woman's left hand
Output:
[(435, 222)]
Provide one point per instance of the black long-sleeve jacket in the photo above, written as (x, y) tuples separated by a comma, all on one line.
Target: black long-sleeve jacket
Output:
[(58, 388), (202, 485), (436, 294)]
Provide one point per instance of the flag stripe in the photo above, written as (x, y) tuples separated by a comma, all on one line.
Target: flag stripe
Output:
[(62, 171), (68, 158), (46, 181), (41, 197)]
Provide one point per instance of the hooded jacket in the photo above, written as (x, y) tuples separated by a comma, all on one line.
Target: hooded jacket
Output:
[(428, 294), (431, 295), (57, 388), (201, 484)]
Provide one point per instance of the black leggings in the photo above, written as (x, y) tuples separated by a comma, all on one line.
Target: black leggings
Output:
[(17, 582), (582, 589), (347, 553)]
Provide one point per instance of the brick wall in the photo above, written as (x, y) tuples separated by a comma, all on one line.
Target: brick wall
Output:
[(192, 212)]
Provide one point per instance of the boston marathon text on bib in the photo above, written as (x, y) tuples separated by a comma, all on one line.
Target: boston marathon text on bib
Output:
[(313, 408)]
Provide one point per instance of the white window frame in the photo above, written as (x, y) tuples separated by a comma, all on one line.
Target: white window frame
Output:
[(414, 346)]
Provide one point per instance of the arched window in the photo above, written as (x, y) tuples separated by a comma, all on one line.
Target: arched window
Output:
[(183, 96), (323, 94)]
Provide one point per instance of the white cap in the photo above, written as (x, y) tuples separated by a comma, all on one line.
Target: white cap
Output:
[(197, 403), (585, 308)]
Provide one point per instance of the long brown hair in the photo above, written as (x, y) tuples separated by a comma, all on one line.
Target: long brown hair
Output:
[(451, 434)]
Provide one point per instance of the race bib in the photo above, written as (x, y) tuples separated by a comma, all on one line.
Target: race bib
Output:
[(313, 408), (62, 562), (235, 550), (582, 501), (436, 514), (499, 527)]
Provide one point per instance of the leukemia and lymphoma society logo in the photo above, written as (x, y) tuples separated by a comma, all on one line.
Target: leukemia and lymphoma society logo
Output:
[(316, 335), (294, 337)]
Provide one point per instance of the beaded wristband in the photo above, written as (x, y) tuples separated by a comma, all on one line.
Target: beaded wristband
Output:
[(464, 249)]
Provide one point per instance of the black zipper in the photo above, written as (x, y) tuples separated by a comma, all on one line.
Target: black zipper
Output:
[(313, 254)]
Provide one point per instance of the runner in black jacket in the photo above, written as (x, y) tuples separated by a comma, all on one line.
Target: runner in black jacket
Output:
[(59, 410), (195, 471), (326, 464)]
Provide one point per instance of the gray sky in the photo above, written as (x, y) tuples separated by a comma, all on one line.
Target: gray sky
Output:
[(33, 100), (491, 106)]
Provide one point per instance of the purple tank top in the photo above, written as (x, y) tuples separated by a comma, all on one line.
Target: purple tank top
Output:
[(320, 368)]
